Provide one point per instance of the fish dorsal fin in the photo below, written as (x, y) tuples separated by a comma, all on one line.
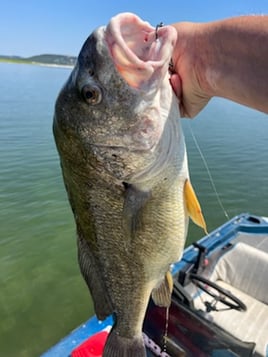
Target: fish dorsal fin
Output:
[(193, 206)]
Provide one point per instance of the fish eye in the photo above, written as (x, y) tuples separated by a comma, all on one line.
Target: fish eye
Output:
[(91, 94)]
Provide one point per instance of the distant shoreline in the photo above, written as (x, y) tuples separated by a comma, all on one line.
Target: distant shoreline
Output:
[(47, 60), (20, 61), (52, 65)]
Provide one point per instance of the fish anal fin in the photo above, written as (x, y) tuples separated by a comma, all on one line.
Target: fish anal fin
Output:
[(161, 295), (91, 274), (193, 206)]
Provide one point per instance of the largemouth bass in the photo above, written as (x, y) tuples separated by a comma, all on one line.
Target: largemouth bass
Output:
[(124, 166)]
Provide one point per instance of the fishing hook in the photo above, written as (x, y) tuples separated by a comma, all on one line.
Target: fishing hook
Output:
[(161, 24), (171, 66)]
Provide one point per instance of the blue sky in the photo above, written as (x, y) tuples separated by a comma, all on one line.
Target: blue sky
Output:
[(29, 27)]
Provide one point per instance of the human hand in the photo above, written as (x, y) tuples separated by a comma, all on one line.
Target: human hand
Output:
[(188, 78)]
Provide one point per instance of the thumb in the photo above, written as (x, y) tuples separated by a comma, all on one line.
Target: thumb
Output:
[(176, 84)]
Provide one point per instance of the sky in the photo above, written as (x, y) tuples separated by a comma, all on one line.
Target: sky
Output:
[(32, 27)]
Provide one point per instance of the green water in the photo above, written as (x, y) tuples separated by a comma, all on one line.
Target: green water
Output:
[(42, 295)]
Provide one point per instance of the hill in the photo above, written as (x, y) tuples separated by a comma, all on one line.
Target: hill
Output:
[(47, 59)]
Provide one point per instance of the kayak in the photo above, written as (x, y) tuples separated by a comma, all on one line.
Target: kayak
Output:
[(219, 302)]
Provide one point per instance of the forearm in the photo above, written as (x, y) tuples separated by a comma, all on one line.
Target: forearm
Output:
[(237, 60), (227, 58)]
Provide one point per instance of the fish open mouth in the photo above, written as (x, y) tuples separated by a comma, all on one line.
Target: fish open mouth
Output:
[(140, 52)]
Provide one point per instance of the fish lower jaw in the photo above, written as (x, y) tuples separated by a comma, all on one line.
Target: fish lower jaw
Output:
[(144, 138)]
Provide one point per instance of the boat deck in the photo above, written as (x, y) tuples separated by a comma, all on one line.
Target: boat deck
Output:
[(242, 270), (245, 229)]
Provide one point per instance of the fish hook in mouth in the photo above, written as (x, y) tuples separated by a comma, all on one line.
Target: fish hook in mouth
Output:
[(161, 24), (139, 51), (170, 66)]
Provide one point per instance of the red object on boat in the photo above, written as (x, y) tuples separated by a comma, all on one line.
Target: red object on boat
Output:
[(92, 347)]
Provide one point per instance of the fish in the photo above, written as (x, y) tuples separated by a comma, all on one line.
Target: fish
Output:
[(122, 153)]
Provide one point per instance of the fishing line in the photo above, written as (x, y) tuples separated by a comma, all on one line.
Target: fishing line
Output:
[(208, 171)]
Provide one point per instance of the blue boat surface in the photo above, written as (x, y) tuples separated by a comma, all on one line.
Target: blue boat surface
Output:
[(219, 302)]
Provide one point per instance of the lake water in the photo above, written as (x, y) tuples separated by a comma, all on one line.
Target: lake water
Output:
[(42, 295)]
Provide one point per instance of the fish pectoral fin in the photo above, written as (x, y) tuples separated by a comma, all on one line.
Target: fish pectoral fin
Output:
[(161, 295), (135, 200), (91, 274), (193, 206)]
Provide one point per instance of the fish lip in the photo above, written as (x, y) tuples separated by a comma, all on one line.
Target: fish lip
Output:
[(136, 52)]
